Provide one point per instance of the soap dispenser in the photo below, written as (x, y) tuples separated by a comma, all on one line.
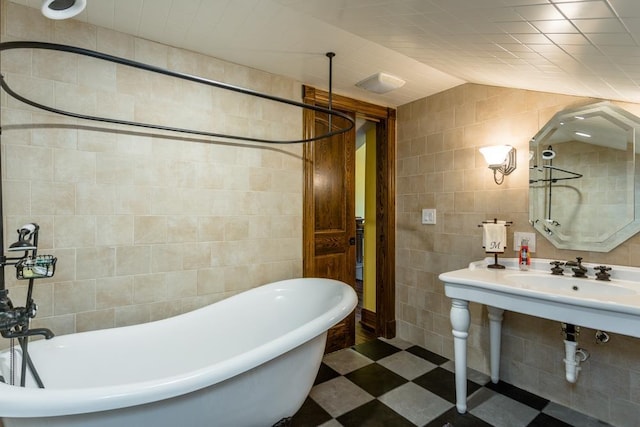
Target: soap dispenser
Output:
[(524, 257)]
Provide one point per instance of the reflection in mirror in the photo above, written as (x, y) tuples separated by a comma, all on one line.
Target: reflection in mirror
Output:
[(582, 178)]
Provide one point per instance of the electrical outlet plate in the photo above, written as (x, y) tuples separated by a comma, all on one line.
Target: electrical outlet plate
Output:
[(428, 216), (518, 236)]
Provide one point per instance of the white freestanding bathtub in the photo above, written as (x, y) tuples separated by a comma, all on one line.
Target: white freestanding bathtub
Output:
[(249, 360)]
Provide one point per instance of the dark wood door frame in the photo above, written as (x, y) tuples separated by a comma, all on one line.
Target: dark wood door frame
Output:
[(385, 197)]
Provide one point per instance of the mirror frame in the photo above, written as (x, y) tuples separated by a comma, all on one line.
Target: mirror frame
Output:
[(628, 122)]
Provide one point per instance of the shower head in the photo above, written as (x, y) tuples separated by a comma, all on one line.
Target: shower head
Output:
[(26, 238), (62, 9), (548, 154)]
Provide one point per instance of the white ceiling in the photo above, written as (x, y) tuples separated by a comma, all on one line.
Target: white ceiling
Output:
[(586, 47)]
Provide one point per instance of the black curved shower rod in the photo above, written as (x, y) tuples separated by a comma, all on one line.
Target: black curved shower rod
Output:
[(99, 55), (574, 175)]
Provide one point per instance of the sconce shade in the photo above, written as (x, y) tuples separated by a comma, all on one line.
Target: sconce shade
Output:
[(501, 159), (496, 155)]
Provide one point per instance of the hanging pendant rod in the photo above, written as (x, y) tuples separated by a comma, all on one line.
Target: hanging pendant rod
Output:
[(330, 55), (106, 57)]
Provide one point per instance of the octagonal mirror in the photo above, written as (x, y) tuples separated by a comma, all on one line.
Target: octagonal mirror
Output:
[(583, 178)]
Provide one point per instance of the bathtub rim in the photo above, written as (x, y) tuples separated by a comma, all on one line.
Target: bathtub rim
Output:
[(18, 402)]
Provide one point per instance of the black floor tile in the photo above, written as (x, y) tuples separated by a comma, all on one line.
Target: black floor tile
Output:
[(376, 350), (373, 414), (375, 379), (522, 396), (544, 420), (427, 355), (453, 418), (310, 415), (325, 373), (443, 383)]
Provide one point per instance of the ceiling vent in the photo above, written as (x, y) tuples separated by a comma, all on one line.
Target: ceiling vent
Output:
[(381, 83)]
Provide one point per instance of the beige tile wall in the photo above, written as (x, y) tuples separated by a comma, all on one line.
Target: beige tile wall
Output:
[(439, 166), (144, 225)]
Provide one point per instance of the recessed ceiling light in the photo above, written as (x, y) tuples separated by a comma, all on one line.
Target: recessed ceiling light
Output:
[(62, 9)]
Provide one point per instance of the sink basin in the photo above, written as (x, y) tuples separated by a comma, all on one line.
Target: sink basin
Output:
[(568, 285), (612, 306)]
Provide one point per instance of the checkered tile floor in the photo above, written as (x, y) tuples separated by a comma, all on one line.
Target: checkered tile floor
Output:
[(393, 383)]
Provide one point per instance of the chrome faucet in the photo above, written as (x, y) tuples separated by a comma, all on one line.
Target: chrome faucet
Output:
[(578, 269)]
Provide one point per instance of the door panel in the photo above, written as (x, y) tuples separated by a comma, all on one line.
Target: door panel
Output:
[(332, 184), (330, 266), (331, 178)]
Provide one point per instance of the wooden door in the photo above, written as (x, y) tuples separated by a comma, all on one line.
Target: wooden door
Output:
[(330, 249), (318, 258)]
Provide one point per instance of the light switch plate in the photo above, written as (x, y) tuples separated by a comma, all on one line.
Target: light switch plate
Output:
[(428, 216), (518, 236)]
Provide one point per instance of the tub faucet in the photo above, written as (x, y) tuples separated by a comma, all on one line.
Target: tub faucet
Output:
[(14, 321), (46, 333), (8, 315), (578, 269)]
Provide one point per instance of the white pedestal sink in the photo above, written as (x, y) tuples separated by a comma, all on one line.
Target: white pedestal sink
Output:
[(611, 306)]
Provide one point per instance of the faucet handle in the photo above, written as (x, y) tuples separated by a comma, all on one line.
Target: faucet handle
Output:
[(557, 270), (602, 274)]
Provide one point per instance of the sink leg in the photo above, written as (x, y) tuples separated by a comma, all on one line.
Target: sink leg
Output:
[(495, 329), (460, 321)]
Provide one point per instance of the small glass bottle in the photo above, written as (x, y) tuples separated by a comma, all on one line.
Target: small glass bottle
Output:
[(524, 257)]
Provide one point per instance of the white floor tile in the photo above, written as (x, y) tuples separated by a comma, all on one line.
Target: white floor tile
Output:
[(501, 411), (339, 396), (345, 361), (415, 403), (407, 365)]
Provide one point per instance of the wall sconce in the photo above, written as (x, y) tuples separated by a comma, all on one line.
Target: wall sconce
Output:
[(501, 159)]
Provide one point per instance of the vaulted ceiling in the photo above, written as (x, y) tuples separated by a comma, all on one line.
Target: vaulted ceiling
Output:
[(585, 47)]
